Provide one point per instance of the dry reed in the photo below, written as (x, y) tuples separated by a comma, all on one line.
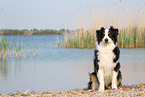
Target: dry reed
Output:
[(131, 24)]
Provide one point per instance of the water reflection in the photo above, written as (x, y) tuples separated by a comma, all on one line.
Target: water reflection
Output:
[(4, 68)]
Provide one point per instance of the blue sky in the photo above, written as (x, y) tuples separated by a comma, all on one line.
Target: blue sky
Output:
[(49, 14)]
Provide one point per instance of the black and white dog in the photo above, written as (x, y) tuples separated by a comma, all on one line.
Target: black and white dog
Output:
[(106, 61)]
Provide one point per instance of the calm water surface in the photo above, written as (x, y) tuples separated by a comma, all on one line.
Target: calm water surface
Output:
[(55, 69)]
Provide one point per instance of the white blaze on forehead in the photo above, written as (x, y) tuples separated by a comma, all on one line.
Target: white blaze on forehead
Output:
[(106, 32), (106, 36)]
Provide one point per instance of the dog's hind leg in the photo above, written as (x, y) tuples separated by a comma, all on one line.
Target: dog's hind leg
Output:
[(119, 78), (93, 84)]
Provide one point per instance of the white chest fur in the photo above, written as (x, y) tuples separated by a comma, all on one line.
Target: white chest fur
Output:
[(106, 56)]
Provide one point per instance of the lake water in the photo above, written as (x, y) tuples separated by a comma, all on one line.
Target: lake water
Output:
[(55, 69)]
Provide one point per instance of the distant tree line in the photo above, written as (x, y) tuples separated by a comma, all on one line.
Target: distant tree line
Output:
[(33, 31)]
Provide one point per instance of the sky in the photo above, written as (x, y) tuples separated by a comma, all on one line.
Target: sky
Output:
[(49, 14)]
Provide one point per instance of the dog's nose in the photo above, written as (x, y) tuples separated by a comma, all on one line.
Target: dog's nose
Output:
[(106, 40)]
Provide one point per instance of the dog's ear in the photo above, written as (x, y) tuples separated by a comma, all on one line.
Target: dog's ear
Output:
[(114, 30), (98, 32), (102, 29), (114, 33)]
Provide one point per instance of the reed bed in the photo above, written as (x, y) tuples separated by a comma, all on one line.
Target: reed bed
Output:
[(129, 21), (15, 51), (83, 40)]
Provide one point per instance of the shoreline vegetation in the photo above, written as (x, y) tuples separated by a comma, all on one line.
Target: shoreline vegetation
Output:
[(128, 38), (129, 20), (34, 31), (16, 50), (123, 90)]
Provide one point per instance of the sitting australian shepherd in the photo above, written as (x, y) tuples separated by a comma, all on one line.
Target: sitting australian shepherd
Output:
[(106, 61)]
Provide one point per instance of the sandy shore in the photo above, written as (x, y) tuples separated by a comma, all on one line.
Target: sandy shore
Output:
[(123, 90)]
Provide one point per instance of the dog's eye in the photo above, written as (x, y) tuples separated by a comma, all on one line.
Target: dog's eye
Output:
[(108, 33)]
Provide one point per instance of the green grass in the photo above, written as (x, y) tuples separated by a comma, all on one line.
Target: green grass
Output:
[(131, 25), (134, 38), (84, 40), (128, 38), (6, 49)]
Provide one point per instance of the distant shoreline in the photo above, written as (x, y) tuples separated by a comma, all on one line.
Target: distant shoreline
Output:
[(33, 32), (29, 33), (123, 90)]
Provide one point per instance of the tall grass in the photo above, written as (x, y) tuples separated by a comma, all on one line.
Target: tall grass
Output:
[(15, 51), (131, 24), (83, 40)]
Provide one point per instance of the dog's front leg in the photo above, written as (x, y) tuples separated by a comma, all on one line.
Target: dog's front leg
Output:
[(114, 83), (114, 77), (101, 80)]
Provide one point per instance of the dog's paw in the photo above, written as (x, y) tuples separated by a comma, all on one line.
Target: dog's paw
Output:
[(114, 86), (101, 90)]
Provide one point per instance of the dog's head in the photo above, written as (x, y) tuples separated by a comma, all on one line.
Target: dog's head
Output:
[(107, 35)]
